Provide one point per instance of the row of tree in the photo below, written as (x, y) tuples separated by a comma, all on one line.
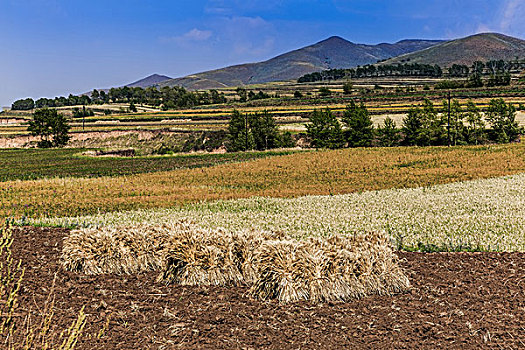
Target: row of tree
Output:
[(372, 70), (423, 126), (257, 131), (498, 72), (165, 97)]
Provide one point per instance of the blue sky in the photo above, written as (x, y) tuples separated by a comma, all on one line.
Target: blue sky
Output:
[(54, 47)]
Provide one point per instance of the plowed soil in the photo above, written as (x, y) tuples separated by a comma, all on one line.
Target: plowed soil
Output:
[(457, 300)]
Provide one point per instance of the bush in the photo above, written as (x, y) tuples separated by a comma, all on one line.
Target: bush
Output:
[(324, 130), (324, 91), (449, 84)]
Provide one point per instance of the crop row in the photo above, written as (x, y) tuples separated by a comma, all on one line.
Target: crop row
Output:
[(294, 175), (479, 215)]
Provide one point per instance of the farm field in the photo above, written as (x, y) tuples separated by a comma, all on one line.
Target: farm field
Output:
[(480, 215), (295, 175), (469, 300), (290, 113), (24, 164)]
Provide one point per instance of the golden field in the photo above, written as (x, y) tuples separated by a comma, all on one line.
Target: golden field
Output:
[(309, 173)]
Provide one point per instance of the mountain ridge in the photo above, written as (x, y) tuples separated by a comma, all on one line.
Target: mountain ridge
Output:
[(150, 80), (478, 47), (333, 52)]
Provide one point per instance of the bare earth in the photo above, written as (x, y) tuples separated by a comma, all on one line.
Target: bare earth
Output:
[(458, 300)]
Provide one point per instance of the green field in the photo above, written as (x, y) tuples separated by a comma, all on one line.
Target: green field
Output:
[(31, 164)]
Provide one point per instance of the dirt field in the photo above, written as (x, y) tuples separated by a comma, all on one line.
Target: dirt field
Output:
[(458, 300)]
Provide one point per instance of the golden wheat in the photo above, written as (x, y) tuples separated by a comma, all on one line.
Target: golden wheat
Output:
[(337, 268)]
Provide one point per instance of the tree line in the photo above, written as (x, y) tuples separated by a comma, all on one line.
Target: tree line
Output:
[(165, 97), (498, 72), (424, 125), (372, 70)]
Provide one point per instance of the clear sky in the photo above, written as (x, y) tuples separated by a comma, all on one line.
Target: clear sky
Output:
[(57, 47)]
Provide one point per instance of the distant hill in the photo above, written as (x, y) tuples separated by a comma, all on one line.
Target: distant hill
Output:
[(153, 79), (479, 47), (334, 52)]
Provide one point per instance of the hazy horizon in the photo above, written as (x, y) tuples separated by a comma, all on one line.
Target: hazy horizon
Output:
[(57, 47)]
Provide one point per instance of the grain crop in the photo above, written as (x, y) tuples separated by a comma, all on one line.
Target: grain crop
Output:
[(301, 174), (474, 215)]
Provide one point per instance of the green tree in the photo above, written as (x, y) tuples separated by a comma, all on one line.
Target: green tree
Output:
[(23, 105), (412, 125), (52, 127), (359, 127), (324, 130), (95, 95), (457, 124), (264, 131), (239, 132), (388, 133), (502, 119), (347, 88), (297, 94), (432, 131), (286, 140), (243, 94), (324, 91), (475, 128), (132, 107)]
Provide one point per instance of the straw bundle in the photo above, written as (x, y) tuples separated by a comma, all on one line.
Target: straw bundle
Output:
[(336, 268)]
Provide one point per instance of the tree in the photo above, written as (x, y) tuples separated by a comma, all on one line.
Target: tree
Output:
[(388, 133), (347, 88), (412, 125), (324, 130), (23, 105), (264, 131), (432, 130), (324, 91), (297, 94), (95, 95), (52, 127), (241, 137), (359, 127), (456, 120), (286, 140), (132, 107), (242, 94), (475, 128), (502, 119)]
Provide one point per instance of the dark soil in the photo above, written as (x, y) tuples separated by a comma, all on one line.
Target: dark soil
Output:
[(457, 300)]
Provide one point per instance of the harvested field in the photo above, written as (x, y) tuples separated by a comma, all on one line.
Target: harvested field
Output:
[(457, 300)]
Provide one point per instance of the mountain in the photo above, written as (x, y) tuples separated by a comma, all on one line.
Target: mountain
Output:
[(480, 47), (153, 79), (334, 52)]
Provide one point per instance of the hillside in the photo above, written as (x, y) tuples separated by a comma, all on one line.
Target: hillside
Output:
[(479, 47), (334, 52), (153, 79)]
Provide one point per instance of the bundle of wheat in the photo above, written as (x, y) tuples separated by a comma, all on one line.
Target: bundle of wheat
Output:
[(212, 257), (201, 257), (338, 268), (114, 250)]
